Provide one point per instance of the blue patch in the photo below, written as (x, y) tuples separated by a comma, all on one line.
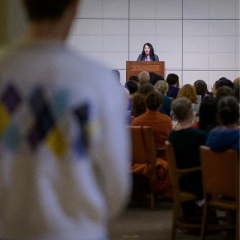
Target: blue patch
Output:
[(11, 138), (59, 103), (82, 116), (79, 147)]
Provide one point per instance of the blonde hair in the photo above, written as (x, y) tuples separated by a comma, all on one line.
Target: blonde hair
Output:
[(161, 86), (236, 81), (189, 92)]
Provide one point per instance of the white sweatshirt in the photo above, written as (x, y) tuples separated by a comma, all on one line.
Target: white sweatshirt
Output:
[(64, 149)]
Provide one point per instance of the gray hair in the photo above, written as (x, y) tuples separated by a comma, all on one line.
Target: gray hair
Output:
[(143, 77)]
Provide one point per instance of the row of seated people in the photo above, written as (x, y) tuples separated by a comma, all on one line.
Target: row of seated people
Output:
[(170, 89), (217, 126)]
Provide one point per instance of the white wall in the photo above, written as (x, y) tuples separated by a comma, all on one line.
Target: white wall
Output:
[(197, 39)]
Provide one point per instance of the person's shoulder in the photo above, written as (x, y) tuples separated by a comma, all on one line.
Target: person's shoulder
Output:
[(224, 131), (139, 57), (173, 88), (86, 73), (167, 99), (135, 121), (218, 130), (8, 51), (199, 132), (164, 116), (138, 120), (87, 66), (172, 134)]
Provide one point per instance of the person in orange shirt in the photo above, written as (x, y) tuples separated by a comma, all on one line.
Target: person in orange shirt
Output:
[(161, 125)]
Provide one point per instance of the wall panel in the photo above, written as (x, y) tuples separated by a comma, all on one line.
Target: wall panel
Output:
[(197, 39)]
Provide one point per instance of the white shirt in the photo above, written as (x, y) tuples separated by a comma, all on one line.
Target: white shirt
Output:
[(64, 149)]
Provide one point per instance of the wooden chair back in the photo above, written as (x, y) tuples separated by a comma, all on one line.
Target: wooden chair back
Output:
[(143, 151), (143, 146), (178, 194), (175, 172), (220, 172)]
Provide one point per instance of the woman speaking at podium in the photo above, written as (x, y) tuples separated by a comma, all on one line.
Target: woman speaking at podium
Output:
[(148, 53)]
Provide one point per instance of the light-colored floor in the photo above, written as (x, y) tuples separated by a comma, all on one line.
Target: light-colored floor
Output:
[(138, 222)]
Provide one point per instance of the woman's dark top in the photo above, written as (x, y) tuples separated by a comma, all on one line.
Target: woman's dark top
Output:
[(140, 58), (186, 144), (172, 91), (166, 105)]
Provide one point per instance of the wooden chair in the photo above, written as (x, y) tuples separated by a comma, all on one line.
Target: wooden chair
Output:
[(220, 174), (143, 151), (179, 196)]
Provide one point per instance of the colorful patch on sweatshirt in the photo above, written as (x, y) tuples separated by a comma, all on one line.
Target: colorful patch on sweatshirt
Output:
[(82, 116), (45, 128), (10, 100)]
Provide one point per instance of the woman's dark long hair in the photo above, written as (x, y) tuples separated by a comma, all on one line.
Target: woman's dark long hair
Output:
[(152, 56), (228, 110), (208, 113)]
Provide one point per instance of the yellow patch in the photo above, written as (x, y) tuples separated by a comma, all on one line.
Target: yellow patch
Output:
[(4, 118), (56, 142)]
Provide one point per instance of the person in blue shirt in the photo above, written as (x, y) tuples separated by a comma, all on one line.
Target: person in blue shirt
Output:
[(226, 135), (173, 85)]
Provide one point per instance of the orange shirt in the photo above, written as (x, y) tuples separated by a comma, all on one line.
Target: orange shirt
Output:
[(161, 125)]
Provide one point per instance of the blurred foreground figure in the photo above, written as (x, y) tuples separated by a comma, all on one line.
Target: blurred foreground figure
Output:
[(63, 142)]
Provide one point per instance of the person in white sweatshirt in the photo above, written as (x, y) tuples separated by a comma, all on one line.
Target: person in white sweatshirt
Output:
[(64, 148)]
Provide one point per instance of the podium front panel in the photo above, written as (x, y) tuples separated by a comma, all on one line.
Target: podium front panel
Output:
[(135, 67)]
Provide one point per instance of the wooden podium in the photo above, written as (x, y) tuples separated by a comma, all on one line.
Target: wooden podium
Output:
[(135, 67)]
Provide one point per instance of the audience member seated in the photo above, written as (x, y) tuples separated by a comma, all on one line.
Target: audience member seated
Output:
[(132, 87), (161, 125), (207, 114), (201, 89), (226, 135), (173, 85), (134, 78), (128, 113), (236, 81), (224, 91), (162, 86), (186, 141), (143, 77), (145, 88), (189, 92), (154, 77), (138, 105), (222, 82)]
